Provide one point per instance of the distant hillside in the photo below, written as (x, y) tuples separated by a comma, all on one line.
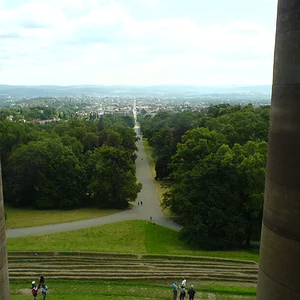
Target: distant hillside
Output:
[(142, 91)]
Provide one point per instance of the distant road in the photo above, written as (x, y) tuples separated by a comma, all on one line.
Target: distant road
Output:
[(147, 196)]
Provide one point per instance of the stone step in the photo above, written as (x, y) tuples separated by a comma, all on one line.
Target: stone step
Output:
[(119, 267), (97, 255), (87, 260)]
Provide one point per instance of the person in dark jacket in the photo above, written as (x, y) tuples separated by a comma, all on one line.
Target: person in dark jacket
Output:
[(191, 292), (182, 293), (42, 281)]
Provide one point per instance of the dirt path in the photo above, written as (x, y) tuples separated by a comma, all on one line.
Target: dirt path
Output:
[(147, 196)]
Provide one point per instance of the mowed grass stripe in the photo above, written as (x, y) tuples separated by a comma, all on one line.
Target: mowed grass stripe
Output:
[(155, 239), (108, 256), (85, 267), (122, 266)]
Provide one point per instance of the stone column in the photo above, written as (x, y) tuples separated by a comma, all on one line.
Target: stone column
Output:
[(279, 267), (4, 281)]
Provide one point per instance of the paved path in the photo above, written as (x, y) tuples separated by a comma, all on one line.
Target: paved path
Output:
[(147, 196)]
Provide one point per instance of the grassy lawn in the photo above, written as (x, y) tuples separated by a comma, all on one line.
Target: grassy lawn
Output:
[(90, 290), (19, 218), (135, 236)]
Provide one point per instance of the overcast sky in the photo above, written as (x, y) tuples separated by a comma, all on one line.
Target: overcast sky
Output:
[(142, 42)]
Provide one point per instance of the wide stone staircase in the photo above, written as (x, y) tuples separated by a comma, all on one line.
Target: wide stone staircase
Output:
[(113, 266)]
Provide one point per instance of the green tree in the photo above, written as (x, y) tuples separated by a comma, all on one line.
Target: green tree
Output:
[(113, 182), (143, 111), (90, 141), (250, 163), (101, 125), (11, 134), (217, 191), (44, 174), (164, 131), (109, 137)]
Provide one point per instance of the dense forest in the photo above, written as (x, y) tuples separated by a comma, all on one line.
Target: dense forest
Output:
[(213, 163), (68, 164)]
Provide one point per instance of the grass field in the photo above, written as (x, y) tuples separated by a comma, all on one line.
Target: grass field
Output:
[(139, 237), (135, 236), (20, 218), (90, 290)]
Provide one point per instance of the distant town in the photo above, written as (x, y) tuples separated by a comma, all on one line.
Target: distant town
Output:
[(94, 101)]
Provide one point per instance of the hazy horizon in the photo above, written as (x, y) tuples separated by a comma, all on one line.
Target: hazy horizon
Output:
[(30, 91)]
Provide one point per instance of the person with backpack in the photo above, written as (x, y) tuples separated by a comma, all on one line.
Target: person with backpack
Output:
[(191, 292), (44, 291), (34, 291)]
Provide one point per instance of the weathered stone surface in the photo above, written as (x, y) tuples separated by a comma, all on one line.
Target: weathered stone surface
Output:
[(279, 268), (288, 16), (287, 58), (280, 261), (281, 210), (285, 109), (269, 289), (283, 159)]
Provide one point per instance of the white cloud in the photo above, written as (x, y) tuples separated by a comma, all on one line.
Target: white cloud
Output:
[(39, 14), (96, 41), (145, 2)]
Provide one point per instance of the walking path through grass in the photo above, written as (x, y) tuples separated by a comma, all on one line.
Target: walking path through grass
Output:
[(150, 208)]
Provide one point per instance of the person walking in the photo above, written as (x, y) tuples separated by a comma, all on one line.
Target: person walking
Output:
[(174, 288), (34, 291), (182, 293), (44, 291), (42, 281), (191, 292), (183, 283)]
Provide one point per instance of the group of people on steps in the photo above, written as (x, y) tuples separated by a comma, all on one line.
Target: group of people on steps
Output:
[(182, 291), (41, 287)]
